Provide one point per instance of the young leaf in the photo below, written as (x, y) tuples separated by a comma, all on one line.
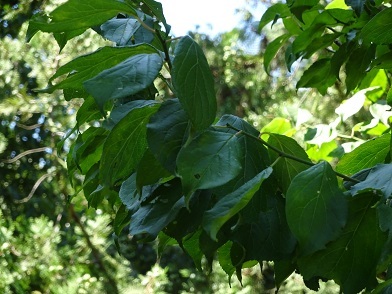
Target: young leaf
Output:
[(166, 133), (286, 169), (209, 160), (343, 259), (316, 208), (193, 83), (364, 156), (231, 204), (125, 145), (75, 15), (89, 111), (126, 78)]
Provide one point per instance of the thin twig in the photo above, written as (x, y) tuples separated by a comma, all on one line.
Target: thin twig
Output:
[(289, 156), (42, 149), (35, 187), (29, 128)]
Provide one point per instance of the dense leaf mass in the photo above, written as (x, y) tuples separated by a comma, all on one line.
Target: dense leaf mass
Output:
[(217, 186)]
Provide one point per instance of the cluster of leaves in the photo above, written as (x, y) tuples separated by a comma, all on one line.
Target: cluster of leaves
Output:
[(214, 185)]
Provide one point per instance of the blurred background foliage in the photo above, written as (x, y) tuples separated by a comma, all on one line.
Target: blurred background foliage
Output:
[(51, 242)]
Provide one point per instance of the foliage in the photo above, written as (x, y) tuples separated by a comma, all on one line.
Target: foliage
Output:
[(217, 186)]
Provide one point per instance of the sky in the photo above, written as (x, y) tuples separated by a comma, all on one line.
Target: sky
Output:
[(184, 15)]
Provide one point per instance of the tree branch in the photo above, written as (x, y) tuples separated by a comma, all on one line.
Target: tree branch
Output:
[(289, 156)]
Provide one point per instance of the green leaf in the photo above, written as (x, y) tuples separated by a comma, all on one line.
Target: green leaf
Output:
[(88, 66), (149, 170), (286, 169), (316, 208), (88, 148), (125, 145), (121, 219), (192, 246), (318, 75), (128, 194), (364, 156), (357, 65), (74, 15), (193, 83), (378, 178), (156, 9), (126, 78), (278, 125), (272, 50), (166, 133), (255, 156), (209, 160), (275, 11), (267, 236), (225, 260), (121, 30), (377, 30), (231, 204), (152, 217), (189, 220), (120, 111), (343, 260), (89, 111)]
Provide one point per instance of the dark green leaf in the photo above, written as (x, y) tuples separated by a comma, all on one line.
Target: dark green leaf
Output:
[(343, 260), (357, 65), (152, 217), (277, 10), (379, 178), (74, 15), (193, 83), (364, 156), (149, 171), (119, 112), (286, 169), (267, 236), (89, 111), (357, 5), (377, 30), (189, 220), (126, 78), (88, 148), (231, 204), (316, 208), (128, 194), (125, 145), (225, 259), (209, 160), (192, 247), (88, 66), (272, 49), (156, 9), (318, 75), (166, 133), (283, 269), (122, 219), (128, 31)]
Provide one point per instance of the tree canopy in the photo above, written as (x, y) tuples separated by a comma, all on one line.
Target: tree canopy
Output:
[(216, 185)]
